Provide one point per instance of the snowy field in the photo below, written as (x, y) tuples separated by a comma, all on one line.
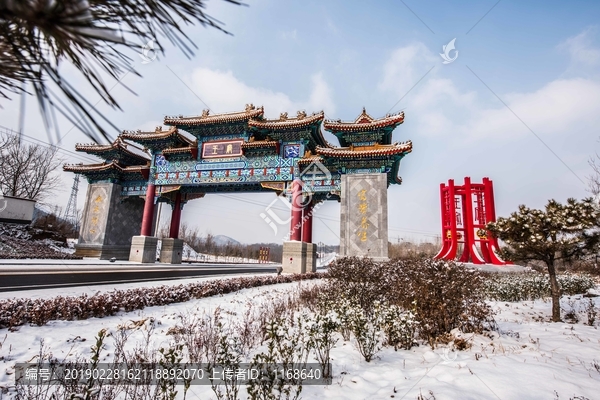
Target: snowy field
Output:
[(529, 358)]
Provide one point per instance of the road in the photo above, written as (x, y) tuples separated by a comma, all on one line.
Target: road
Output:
[(45, 274)]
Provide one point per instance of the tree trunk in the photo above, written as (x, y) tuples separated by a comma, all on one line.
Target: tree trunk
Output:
[(555, 291)]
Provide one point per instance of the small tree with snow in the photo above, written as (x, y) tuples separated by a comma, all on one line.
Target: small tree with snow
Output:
[(556, 233)]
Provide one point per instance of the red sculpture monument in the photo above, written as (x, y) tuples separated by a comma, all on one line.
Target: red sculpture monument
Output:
[(466, 210)]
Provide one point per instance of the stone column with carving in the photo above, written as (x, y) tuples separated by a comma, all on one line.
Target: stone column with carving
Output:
[(109, 221), (364, 216)]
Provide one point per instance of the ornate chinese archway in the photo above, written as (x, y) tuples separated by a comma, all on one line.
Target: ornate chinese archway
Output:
[(242, 152)]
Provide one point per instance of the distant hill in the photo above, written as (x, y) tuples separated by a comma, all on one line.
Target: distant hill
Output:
[(222, 240)]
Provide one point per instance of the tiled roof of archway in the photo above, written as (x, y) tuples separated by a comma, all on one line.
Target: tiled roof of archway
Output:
[(370, 151), (112, 165), (158, 134), (118, 145), (300, 121), (207, 119), (364, 123)]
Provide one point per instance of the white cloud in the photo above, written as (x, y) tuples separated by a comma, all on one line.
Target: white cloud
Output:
[(291, 35), (581, 49), (405, 67), (461, 132), (321, 96), (223, 92), (558, 108), (441, 108)]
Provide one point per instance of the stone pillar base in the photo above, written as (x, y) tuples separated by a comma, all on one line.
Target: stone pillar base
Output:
[(294, 257), (103, 252), (143, 249), (311, 257), (171, 251)]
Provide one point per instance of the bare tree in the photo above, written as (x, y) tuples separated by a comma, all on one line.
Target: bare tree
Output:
[(209, 244), (163, 230), (38, 36), (594, 179), (28, 170)]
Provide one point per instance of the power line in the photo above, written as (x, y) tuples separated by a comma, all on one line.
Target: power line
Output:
[(396, 229), (46, 144)]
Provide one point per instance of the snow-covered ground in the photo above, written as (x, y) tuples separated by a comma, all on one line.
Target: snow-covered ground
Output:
[(529, 358), (190, 254)]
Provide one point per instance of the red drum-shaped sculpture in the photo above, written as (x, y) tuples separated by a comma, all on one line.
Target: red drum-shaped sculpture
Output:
[(466, 210)]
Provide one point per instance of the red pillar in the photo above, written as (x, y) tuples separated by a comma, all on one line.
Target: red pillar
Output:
[(467, 209), (176, 217), (296, 223), (491, 217), (307, 223), (148, 210)]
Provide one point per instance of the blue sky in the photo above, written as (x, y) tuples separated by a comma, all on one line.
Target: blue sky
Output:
[(541, 59)]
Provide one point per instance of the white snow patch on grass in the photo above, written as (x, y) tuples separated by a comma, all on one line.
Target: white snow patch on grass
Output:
[(529, 358)]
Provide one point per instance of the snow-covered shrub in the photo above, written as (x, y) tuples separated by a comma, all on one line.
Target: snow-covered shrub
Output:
[(571, 284), (383, 324), (399, 327), (210, 340), (341, 307), (170, 358), (286, 346), (322, 329), (532, 286), (28, 242), (199, 335), (310, 296), (360, 280), (227, 358), (590, 310), (366, 328), (248, 328), (442, 296)]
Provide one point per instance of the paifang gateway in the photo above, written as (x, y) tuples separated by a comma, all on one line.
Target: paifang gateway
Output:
[(242, 152)]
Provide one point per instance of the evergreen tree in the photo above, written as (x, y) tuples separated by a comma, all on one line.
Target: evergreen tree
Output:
[(558, 233)]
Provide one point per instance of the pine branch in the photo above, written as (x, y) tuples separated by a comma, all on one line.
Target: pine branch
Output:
[(38, 36)]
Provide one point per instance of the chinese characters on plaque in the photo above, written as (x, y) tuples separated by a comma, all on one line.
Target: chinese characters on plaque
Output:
[(362, 209), (223, 148), (95, 215)]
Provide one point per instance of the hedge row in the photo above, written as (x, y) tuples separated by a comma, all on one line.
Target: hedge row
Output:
[(39, 256), (16, 312), (519, 287)]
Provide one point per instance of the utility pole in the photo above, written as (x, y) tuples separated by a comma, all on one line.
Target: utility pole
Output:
[(71, 210)]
